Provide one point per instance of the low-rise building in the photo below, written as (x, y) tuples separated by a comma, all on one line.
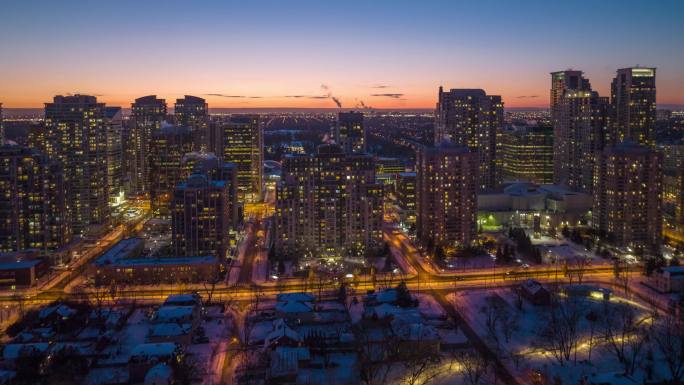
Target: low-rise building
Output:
[(21, 269), (535, 292), (668, 279), (124, 263), (145, 356), (539, 207)]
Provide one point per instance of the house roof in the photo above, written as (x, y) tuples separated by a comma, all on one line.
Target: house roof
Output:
[(285, 360), (182, 299), (532, 286), (280, 331), (154, 350), (415, 331), (169, 329), (300, 297), (173, 313), (159, 374), (60, 309), (14, 351), (293, 307)]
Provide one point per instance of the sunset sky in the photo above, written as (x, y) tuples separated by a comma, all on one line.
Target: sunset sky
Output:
[(298, 53)]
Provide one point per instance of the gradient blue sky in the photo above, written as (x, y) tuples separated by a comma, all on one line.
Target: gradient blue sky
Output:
[(268, 50)]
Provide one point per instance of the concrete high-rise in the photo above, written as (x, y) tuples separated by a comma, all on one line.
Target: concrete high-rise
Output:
[(406, 196), (147, 115), (33, 206), (168, 146), (2, 128), (562, 81), (200, 217), (193, 112), (76, 136), (350, 132), (582, 127), (527, 154), (471, 118), (633, 99), (242, 143), (446, 189), (673, 181), (114, 123), (328, 205), (627, 197)]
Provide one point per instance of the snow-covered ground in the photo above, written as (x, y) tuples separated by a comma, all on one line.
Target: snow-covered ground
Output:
[(520, 337)]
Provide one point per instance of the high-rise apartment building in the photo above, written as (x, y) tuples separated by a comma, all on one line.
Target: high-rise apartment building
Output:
[(350, 132), (147, 115), (562, 81), (673, 181), (33, 206), (114, 124), (627, 200), (470, 117), (582, 127), (328, 205), (527, 154), (406, 196), (633, 99), (200, 217), (76, 136), (193, 112), (446, 206), (2, 128), (242, 143), (168, 146)]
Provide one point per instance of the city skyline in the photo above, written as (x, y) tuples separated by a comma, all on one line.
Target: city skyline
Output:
[(307, 55)]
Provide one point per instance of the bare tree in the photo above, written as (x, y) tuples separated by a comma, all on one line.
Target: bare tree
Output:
[(376, 354), (560, 334), (499, 317), (210, 285), (423, 363), (473, 365), (625, 335), (592, 318), (579, 267), (668, 336)]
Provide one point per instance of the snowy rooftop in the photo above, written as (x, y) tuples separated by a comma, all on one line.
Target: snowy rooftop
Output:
[(293, 307), (532, 286), (174, 313), (280, 331), (674, 270), (182, 299), (62, 310), (299, 297), (170, 329), (159, 374), (14, 351), (154, 350)]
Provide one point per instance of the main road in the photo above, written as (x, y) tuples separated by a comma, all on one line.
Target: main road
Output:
[(425, 277)]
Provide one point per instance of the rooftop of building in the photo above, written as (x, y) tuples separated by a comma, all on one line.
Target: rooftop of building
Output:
[(154, 350), (628, 147), (19, 264), (189, 99), (122, 249), (198, 180), (127, 252)]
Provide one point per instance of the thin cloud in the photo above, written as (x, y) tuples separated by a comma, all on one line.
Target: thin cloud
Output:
[(235, 96), (307, 96), (390, 95), (380, 86), (527, 96)]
